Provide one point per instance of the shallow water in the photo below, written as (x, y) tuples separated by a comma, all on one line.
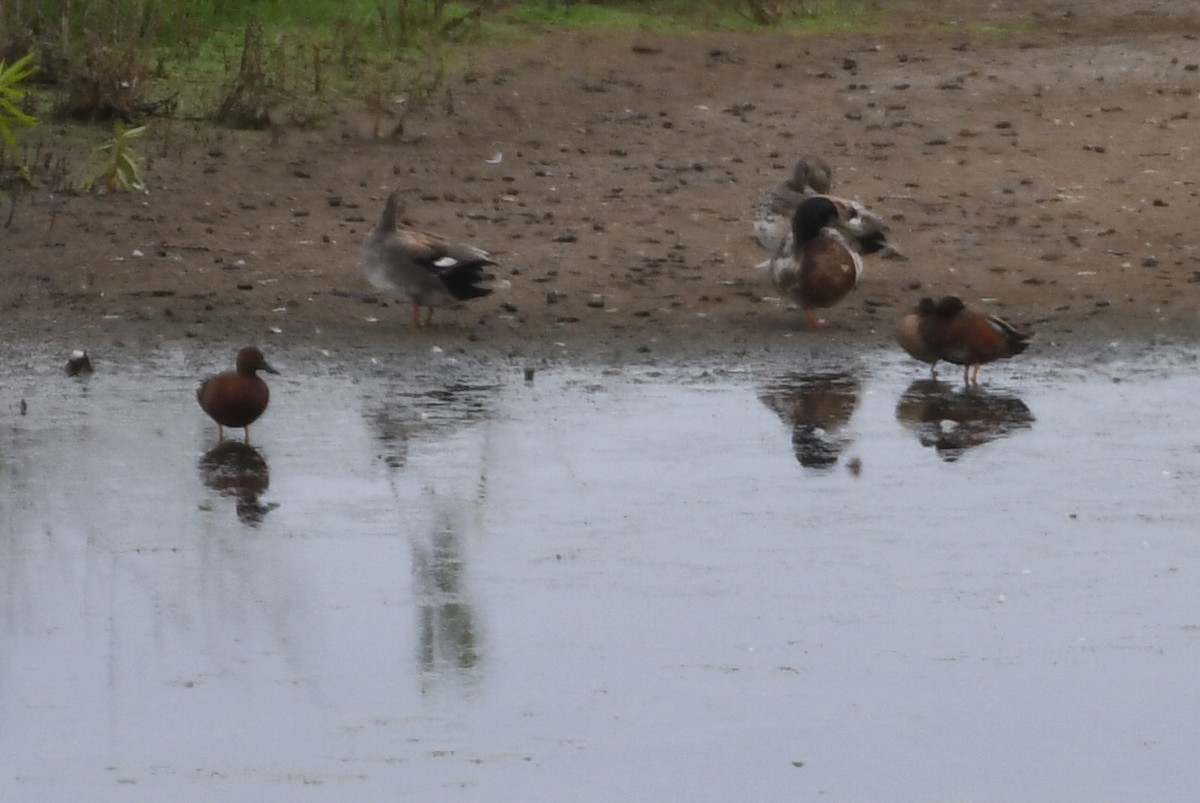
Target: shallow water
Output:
[(792, 578)]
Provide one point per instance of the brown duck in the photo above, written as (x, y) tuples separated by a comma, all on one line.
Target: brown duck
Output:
[(237, 398), (951, 331), (823, 262)]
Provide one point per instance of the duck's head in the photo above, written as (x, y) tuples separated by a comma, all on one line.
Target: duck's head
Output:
[(811, 172), (395, 212), (814, 214), (949, 306), (251, 359)]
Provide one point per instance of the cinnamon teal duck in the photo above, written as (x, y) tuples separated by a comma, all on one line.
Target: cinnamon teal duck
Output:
[(237, 398), (952, 331), (908, 334)]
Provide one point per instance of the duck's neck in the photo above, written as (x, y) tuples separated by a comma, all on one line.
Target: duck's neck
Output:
[(811, 216), (391, 213)]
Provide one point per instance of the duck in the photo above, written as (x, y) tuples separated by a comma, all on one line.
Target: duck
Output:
[(908, 335), (822, 262), (237, 398), (424, 269), (954, 332), (774, 207)]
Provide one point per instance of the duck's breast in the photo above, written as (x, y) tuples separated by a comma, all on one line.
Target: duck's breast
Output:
[(828, 271), (234, 400)]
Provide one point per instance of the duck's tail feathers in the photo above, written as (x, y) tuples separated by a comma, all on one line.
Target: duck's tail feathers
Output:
[(871, 242), (1018, 339), (468, 279)]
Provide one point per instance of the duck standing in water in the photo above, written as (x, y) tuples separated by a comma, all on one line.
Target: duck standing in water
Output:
[(775, 207), (424, 269), (908, 335), (823, 262), (237, 398), (952, 331)]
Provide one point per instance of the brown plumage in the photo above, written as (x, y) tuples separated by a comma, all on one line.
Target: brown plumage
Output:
[(237, 398), (821, 264), (908, 334), (955, 333)]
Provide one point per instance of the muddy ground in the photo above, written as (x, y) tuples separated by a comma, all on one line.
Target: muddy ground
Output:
[(1050, 176)]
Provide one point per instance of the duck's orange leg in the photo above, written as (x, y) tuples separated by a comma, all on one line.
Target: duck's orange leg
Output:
[(813, 321), (416, 315)]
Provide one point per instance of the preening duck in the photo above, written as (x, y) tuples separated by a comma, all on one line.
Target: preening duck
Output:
[(823, 262), (424, 269), (774, 207), (908, 334), (952, 331)]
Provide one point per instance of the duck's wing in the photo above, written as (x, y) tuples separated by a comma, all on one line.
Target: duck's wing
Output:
[(1017, 340), (433, 253), (865, 231), (856, 217), (782, 266), (773, 210)]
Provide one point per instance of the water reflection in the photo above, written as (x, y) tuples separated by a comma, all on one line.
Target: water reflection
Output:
[(438, 472), (952, 421), (446, 622), (236, 469), (817, 407), (405, 415)]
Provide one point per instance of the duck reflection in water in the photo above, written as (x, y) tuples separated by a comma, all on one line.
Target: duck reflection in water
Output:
[(413, 414), (817, 408), (407, 420), (447, 641), (239, 470), (952, 421)]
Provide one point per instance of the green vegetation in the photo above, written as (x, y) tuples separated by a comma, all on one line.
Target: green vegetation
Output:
[(239, 61), (113, 163), (12, 91)]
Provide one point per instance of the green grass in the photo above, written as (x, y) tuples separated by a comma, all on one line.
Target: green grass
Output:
[(313, 49), (678, 16)]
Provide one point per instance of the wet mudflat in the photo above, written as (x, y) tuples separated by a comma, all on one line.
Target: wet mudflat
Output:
[(788, 578)]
